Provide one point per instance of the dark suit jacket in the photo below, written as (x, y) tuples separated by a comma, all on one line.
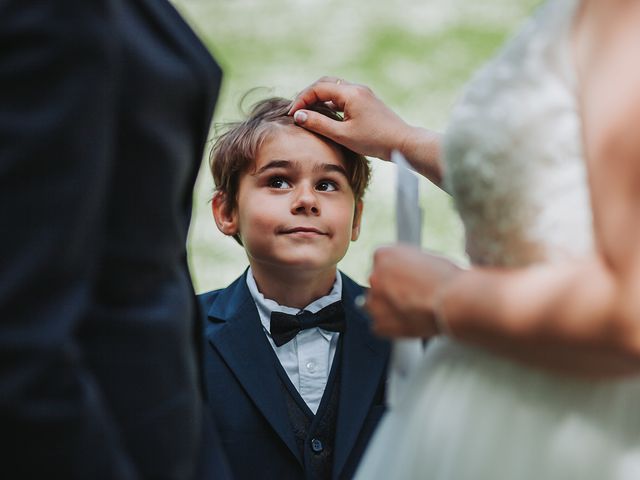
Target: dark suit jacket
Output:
[(245, 393), (104, 110)]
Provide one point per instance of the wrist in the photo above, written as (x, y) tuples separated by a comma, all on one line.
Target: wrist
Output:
[(421, 147), (408, 140), (440, 320)]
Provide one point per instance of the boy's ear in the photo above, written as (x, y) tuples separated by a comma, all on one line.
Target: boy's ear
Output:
[(226, 218), (357, 218)]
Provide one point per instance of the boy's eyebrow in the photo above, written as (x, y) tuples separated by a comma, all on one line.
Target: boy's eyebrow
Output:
[(274, 164), (325, 167), (331, 167)]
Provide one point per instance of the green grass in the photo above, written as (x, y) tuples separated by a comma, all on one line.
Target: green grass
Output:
[(415, 54)]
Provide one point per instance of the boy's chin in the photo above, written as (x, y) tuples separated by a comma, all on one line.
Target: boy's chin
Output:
[(304, 263), (298, 260)]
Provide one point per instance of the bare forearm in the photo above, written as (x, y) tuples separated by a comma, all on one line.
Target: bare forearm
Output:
[(547, 316), (422, 149)]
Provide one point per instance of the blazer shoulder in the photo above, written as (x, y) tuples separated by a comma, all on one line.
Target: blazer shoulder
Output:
[(224, 301), (206, 299)]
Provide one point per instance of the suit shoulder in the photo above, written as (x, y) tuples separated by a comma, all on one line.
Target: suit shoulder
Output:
[(206, 299)]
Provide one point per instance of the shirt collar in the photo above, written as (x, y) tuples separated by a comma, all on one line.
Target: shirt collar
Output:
[(265, 305)]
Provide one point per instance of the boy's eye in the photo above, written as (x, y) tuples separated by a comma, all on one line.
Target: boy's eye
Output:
[(326, 186), (278, 182)]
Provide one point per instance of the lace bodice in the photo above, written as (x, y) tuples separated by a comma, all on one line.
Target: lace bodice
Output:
[(513, 150)]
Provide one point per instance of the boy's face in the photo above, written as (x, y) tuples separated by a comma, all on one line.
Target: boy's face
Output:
[(295, 209)]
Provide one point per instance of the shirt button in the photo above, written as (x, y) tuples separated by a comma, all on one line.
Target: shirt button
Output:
[(316, 445), (311, 366)]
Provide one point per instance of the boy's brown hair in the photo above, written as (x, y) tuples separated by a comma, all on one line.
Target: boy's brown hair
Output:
[(234, 152)]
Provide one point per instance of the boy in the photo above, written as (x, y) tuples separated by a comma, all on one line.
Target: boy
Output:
[(294, 377)]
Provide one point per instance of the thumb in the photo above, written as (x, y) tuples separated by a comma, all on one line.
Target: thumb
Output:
[(318, 123)]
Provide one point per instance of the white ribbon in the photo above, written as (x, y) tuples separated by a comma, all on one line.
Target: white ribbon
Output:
[(407, 353)]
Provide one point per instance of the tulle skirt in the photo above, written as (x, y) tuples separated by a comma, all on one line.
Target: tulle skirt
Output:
[(470, 415)]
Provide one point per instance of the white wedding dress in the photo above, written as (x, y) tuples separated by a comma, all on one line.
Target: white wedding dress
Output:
[(515, 167)]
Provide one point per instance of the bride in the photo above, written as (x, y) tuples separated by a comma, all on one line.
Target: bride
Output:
[(535, 371)]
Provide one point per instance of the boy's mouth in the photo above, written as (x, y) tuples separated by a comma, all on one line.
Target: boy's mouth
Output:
[(302, 230)]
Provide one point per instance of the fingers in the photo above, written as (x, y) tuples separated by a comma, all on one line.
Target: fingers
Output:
[(321, 124), (388, 321), (326, 89), (381, 313), (394, 303), (386, 318)]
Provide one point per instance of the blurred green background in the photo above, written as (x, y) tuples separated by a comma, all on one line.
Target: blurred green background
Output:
[(415, 54)]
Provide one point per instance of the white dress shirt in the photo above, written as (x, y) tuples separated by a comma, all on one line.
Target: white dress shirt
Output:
[(307, 358)]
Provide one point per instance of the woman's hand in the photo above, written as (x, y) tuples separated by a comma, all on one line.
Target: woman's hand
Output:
[(406, 284), (369, 127)]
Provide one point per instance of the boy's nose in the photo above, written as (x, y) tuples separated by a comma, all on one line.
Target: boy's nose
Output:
[(305, 202)]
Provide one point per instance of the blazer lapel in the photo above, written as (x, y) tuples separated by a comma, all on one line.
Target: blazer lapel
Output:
[(234, 330), (364, 361)]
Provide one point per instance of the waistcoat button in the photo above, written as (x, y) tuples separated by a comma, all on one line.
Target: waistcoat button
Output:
[(316, 445)]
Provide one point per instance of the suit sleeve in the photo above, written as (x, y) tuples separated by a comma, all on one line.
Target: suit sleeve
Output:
[(58, 77)]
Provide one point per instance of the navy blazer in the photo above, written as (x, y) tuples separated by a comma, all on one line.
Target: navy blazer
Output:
[(245, 394), (105, 107)]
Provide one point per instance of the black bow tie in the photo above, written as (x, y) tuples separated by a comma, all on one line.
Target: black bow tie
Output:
[(284, 327)]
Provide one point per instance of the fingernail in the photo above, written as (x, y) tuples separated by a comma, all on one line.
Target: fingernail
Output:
[(300, 116)]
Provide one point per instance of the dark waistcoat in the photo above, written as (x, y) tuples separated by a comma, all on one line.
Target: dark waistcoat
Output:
[(315, 434)]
